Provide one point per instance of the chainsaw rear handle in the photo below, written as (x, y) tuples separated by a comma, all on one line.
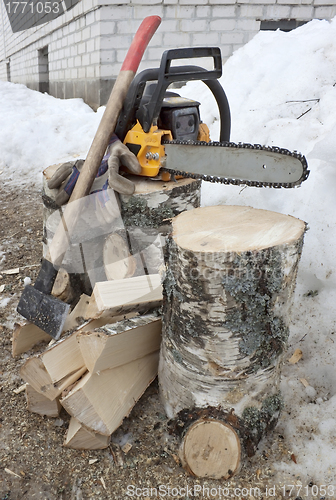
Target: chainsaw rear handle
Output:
[(147, 113)]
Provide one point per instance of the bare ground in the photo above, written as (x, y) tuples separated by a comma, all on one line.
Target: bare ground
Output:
[(31, 445)]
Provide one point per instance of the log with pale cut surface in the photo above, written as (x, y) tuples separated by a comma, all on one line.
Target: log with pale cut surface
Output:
[(154, 202), (210, 449), (117, 297), (118, 262), (27, 335), (35, 373), (38, 403), (80, 438), (100, 401), (231, 273), (62, 288), (116, 344)]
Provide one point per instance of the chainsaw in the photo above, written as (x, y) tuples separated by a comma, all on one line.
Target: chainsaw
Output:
[(165, 131)]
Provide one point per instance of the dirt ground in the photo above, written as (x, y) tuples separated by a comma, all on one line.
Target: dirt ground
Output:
[(33, 462)]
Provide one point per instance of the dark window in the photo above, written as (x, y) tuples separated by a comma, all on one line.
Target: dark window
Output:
[(282, 24), (43, 69), (8, 71)]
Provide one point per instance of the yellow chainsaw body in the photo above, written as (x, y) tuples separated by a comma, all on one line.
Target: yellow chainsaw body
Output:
[(150, 150)]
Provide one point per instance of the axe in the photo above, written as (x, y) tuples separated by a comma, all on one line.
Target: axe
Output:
[(37, 304)]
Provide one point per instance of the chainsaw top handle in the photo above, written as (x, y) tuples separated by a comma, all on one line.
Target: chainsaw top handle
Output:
[(147, 112)]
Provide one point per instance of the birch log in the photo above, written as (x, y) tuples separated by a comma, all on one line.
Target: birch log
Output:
[(147, 216), (210, 448), (154, 203), (230, 278)]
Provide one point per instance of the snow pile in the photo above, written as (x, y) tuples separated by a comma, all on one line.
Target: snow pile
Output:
[(282, 91), (38, 130)]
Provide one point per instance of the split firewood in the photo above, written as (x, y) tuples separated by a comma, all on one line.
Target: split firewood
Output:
[(113, 345), (228, 294), (37, 403), (76, 316), (63, 358), (92, 324), (49, 371), (62, 288), (112, 298), (81, 438), (27, 335), (118, 262), (35, 374), (210, 448), (101, 401)]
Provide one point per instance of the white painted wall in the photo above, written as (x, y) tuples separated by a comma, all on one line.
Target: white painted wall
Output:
[(88, 44)]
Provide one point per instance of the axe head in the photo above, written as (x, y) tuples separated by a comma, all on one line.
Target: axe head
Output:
[(43, 310)]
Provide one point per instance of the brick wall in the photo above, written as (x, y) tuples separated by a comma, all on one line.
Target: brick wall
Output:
[(86, 45)]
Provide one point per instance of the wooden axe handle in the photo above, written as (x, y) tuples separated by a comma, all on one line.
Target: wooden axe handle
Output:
[(109, 119), (100, 142)]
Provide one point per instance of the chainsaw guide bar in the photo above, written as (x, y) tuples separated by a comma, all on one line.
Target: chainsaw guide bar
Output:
[(236, 164)]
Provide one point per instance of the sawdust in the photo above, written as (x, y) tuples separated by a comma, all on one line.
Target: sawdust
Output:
[(31, 445)]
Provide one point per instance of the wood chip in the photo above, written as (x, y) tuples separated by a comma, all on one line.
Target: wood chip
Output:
[(20, 389), (126, 448), (11, 271), (297, 355), (93, 461), (12, 473), (2, 287), (103, 483), (304, 382)]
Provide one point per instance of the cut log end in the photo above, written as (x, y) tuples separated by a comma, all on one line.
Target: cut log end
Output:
[(234, 229), (118, 262), (211, 449)]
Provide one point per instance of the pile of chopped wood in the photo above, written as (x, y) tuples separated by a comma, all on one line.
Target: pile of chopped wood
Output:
[(106, 358), (228, 291), (109, 349)]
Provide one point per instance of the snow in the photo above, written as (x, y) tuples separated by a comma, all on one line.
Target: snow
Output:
[(38, 130), (282, 91)]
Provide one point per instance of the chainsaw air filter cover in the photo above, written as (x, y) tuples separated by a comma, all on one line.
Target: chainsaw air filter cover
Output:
[(180, 116)]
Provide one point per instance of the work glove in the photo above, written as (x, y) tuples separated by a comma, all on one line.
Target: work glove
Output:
[(65, 177), (120, 155), (64, 180)]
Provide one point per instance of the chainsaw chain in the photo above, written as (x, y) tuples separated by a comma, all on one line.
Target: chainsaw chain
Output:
[(241, 182)]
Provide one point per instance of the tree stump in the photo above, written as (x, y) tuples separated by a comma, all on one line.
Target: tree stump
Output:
[(227, 293), (154, 203), (147, 216)]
